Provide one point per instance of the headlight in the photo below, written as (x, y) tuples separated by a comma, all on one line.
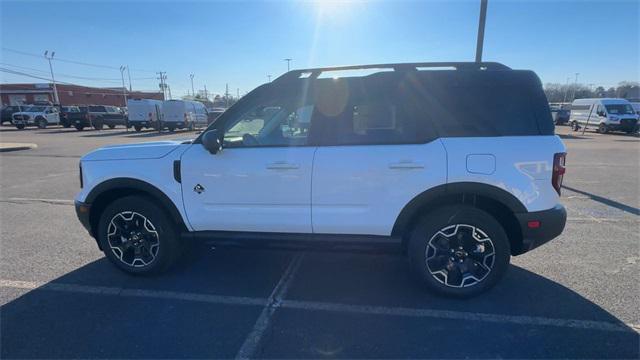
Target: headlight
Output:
[(613, 118)]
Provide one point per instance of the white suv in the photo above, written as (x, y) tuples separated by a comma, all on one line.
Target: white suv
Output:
[(460, 168)]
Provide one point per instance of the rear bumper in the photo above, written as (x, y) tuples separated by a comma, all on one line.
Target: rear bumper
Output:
[(82, 211), (550, 224)]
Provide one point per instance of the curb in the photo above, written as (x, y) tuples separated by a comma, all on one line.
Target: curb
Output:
[(16, 147)]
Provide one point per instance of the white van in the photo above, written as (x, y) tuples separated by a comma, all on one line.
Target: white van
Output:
[(180, 114), (604, 115), (144, 113)]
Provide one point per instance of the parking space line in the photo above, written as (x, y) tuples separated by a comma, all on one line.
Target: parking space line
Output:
[(458, 315), (274, 301)]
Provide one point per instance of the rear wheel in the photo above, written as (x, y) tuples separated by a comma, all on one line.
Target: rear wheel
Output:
[(575, 126), (98, 124), (171, 127), (459, 251), (42, 123), (603, 128), (20, 126), (112, 126), (138, 128), (79, 127), (137, 236)]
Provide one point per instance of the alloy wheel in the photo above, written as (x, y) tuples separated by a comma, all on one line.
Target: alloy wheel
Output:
[(133, 239), (460, 255)]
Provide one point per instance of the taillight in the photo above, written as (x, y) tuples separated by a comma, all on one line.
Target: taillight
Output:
[(558, 170)]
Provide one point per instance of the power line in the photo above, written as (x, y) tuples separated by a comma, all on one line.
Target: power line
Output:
[(71, 61), (72, 76)]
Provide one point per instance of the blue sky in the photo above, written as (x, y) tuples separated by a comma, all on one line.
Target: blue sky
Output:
[(240, 43)]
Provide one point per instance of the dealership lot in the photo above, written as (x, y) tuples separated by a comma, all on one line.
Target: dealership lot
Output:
[(575, 297)]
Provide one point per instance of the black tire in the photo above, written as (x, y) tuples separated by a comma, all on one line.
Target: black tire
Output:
[(42, 123), (157, 233), (98, 124), (79, 127), (603, 128), (20, 126), (575, 126), (171, 128), (486, 259), (112, 126), (138, 128)]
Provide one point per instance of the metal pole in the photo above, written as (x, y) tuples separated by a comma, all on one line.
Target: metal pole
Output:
[(124, 88), (288, 64), (226, 96), (269, 77), (129, 76), (193, 92), (575, 87), (55, 89), (566, 90), (483, 18)]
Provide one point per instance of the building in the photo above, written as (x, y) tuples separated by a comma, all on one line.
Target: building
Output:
[(18, 94)]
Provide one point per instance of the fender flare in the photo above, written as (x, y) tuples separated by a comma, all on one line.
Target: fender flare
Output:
[(434, 194), (138, 186)]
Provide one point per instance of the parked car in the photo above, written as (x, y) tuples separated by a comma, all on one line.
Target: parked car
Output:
[(636, 106), (560, 116), (181, 114), (144, 113), (101, 115), (7, 112), (213, 114), (604, 115), (36, 115), (426, 161), (69, 115)]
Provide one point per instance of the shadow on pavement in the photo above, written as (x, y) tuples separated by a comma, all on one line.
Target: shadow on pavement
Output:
[(164, 133), (105, 133), (606, 201), (106, 323), (572, 137)]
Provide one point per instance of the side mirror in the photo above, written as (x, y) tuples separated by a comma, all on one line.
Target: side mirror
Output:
[(211, 141), (601, 114)]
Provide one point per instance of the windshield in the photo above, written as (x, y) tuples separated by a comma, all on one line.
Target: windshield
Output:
[(35, 109), (619, 109)]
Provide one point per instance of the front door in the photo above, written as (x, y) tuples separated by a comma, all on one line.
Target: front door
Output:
[(261, 180)]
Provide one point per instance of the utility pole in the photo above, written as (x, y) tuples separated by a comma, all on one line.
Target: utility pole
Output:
[(226, 95), (288, 63), (575, 87), (55, 89), (269, 77), (206, 94), (124, 88), (129, 76), (169, 90), (193, 92), (483, 18), (237, 94), (162, 78)]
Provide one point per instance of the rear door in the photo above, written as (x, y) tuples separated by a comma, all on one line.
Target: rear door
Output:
[(374, 155)]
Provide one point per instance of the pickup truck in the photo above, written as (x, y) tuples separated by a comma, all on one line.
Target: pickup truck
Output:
[(36, 115), (70, 115), (97, 116)]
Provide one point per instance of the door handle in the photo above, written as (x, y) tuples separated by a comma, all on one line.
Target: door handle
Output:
[(406, 165), (281, 165)]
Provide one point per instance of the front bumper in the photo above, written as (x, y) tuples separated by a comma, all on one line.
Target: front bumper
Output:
[(624, 125), (550, 224), (82, 211)]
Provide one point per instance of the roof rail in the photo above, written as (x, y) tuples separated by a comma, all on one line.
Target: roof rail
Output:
[(313, 73)]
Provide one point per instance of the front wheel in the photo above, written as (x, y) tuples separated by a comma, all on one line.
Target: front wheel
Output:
[(137, 127), (603, 128), (79, 127), (459, 251), (20, 126), (42, 124), (112, 126), (137, 236), (575, 126)]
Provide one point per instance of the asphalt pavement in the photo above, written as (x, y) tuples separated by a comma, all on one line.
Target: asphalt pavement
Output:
[(575, 297)]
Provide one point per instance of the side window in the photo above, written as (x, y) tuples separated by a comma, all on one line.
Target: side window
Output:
[(271, 124)]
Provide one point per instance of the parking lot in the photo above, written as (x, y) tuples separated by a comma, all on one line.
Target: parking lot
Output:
[(576, 297)]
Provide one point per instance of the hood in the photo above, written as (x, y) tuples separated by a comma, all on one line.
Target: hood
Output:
[(148, 150)]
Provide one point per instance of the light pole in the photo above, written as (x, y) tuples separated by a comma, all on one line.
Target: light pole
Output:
[(193, 92), (129, 76), (575, 87), (55, 89), (288, 64), (269, 77), (124, 88)]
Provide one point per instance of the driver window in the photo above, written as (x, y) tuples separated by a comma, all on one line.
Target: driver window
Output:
[(269, 125)]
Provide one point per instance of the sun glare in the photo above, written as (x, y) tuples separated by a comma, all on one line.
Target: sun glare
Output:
[(332, 7)]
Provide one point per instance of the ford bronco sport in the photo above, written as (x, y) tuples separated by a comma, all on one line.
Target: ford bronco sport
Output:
[(458, 167)]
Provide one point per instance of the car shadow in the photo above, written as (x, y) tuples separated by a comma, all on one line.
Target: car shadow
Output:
[(97, 311), (106, 133), (572, 137), (603, 200), (151, 134)]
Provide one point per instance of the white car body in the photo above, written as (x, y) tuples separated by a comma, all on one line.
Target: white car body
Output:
[(144, 113), (612, 113), (34, 113)]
